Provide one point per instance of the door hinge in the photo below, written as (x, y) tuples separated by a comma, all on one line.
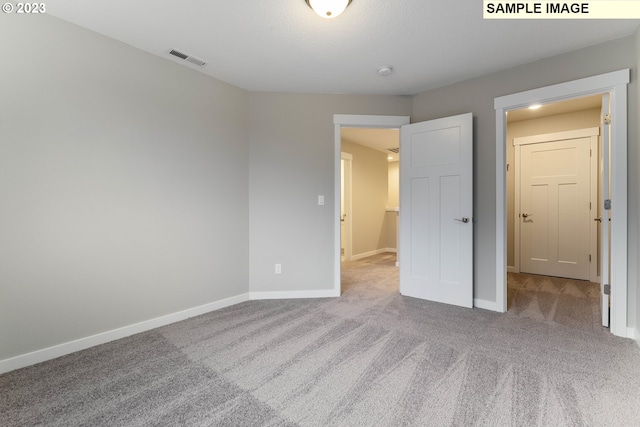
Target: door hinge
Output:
[(589, 257), (607, 119), (607, 204), (607, 289)]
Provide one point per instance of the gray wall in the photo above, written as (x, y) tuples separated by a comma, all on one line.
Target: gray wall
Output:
[(477, 96), (132, 187), (291, 163), (123, 186)]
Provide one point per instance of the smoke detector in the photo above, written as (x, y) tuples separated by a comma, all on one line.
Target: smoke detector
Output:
[(385, 70)]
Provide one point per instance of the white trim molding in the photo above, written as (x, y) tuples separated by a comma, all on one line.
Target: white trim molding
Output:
[(556, 136), (63, 349), (485, 305), (321, 293), (372, 253)]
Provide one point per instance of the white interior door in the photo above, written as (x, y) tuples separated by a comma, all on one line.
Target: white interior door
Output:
[(605, 224), (555, 207), (436, 210)]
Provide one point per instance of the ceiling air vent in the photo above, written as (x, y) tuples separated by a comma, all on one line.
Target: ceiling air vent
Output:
[(394, 150), (188, 57)]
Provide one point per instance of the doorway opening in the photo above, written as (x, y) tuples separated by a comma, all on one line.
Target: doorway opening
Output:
[(553, 211), (369, 198), (613, 86), (348, 122)]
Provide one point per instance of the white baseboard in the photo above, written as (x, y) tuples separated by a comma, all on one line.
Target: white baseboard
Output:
[(53, 352), (486, 305), (328, 293), (512, 269), (372, 253)]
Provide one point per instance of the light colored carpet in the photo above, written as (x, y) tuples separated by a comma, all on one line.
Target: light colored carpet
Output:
[(371, 357)]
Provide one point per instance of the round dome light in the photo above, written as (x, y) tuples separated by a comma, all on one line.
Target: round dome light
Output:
[(328, 8)]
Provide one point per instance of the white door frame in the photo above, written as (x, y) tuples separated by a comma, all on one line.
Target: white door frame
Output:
[(591, 133), (351, 121), (348, 236), (614, 83)]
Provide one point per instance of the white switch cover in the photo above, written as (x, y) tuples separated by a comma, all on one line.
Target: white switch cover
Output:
[(321, 200)]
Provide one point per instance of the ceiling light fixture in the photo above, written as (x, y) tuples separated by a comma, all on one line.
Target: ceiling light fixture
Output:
[(534, 106), (328, 8)]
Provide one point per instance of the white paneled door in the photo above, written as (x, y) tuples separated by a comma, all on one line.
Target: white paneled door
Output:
[(556, 207), (436, 210)]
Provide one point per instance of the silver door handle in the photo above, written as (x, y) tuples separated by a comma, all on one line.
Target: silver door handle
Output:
[(464, 219)]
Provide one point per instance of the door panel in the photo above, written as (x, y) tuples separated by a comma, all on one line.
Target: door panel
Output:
[(419, 269), (568, 202), (540, 211), (436, 210), (451, 240), (555, 208)]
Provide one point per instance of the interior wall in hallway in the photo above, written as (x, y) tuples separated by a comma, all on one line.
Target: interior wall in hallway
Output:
[(369, 174)]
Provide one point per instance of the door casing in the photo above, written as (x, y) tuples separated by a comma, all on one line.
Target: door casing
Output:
[(614, 83), (346, 236), (351, 121)]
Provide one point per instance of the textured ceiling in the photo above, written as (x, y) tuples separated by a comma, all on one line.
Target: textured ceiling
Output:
[(282, 46)]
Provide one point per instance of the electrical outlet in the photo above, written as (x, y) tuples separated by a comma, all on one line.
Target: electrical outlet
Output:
[(278, 268)]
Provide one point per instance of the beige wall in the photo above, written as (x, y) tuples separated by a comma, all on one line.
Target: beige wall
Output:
[(393, 200), (369, 177), (551, 124)]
